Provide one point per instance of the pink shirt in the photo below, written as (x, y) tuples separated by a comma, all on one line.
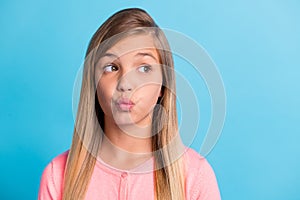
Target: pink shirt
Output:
[(111, 183)]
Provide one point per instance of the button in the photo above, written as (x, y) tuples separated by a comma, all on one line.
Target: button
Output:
[(124, 175)]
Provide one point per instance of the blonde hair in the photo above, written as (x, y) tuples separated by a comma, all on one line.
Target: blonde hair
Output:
[(169, 171)]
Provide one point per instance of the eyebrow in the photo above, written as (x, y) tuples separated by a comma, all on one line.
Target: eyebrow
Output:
[(109, 55), (139, 54), (146, 54)]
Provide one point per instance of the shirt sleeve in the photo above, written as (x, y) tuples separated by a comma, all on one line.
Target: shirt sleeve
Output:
[(206, 186), (51, 184), (47, 189)]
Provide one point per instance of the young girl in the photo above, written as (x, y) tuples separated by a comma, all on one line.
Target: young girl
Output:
[(126, 143)]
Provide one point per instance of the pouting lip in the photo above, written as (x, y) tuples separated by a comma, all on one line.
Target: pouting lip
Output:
[(124, 104), (124, 101)]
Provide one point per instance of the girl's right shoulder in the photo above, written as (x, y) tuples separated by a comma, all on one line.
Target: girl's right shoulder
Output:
[(51, 183), (60, 161)]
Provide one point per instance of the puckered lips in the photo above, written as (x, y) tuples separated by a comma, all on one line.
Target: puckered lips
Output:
[(124, 104)]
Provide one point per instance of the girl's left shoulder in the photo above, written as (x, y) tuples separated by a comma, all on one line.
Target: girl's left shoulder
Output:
[(195, 163), (193, 159), (200, 179)]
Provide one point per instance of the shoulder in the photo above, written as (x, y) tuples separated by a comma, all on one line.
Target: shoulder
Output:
[(201, 182), (59, 162), (195, 163), (52, 178), (56, 168)]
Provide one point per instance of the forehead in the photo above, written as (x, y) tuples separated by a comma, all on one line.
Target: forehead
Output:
[(133, 44)]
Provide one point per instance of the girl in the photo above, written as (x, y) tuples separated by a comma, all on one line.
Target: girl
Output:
[(126, 143)]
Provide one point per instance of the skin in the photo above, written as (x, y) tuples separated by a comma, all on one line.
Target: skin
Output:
[(130, 71)]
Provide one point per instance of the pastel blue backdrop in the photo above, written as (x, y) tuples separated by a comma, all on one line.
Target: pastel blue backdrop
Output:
[(255, 45)]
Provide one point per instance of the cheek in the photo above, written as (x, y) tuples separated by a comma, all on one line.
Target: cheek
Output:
[(105, 93), (150, 94)]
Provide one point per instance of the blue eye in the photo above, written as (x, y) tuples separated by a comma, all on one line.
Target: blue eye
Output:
[(110, 68), (144, 68)]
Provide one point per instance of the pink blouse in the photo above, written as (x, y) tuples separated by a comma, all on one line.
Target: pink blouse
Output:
[(108, 183)]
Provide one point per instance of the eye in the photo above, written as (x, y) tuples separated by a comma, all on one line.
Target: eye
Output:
[(144, 69), (110, 68)]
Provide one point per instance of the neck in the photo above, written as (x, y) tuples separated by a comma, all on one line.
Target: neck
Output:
[(130, 138), (126, 146)]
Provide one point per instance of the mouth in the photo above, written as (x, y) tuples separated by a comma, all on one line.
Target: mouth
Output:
[(124, 104)]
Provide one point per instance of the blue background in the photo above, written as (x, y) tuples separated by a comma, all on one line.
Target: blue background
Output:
[(255, 45)]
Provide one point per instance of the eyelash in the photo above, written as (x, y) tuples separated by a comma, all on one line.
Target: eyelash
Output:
[(112, 66), (148, 67)]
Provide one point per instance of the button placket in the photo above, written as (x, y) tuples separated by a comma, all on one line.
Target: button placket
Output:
[(123, 185)]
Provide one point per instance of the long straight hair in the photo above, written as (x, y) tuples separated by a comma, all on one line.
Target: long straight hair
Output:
[(169, 171)]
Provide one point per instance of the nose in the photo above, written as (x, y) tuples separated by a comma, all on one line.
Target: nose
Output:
[(125, 83)]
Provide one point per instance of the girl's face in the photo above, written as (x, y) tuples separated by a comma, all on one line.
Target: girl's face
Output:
[(129, 80)]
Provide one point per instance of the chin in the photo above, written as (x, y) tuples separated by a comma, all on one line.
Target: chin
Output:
[(130, 121), (123, 120)]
